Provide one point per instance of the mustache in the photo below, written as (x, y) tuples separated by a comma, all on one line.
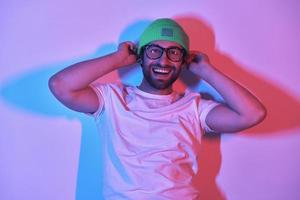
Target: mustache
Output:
[(162, 66)]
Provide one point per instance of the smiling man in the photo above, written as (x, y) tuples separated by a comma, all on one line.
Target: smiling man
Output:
[(152, 134), (162, 63)]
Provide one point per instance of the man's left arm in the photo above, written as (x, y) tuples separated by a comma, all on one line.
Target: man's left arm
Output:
[(240, 110)]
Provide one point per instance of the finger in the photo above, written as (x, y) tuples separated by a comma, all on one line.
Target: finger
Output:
[(190, 58), (202, 56), (132, 50), (131, 47), (122, 46)]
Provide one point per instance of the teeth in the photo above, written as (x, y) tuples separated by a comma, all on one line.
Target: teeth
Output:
[(160, 70)]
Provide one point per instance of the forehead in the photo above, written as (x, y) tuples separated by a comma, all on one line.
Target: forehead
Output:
[(166, 44)]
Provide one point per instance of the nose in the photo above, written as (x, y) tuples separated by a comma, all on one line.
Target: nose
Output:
[(164, 60)]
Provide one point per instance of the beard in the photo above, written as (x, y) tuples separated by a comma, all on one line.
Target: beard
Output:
[(157, 83)]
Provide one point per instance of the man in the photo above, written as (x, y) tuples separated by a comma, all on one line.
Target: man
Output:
[(151, 133)]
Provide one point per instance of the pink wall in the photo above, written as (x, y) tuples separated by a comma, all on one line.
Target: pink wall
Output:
[(50, 152)]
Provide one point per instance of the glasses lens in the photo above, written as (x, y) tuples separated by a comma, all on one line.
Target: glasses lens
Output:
[(154, 52), (175, 54)]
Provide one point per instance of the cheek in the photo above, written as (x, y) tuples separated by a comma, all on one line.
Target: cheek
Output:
[(145, 63)]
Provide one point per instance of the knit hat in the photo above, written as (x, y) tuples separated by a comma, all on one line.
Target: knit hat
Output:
[(164, 29)]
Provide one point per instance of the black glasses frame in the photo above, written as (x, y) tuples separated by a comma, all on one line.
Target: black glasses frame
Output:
[(167, 50)]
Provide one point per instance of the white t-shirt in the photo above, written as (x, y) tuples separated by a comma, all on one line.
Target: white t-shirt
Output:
[(150, 142)]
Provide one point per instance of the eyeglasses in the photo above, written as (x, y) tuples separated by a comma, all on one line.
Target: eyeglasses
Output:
[(154, 52)]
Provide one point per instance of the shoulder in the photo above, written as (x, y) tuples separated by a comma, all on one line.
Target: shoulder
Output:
[(190, 95), (115, 89), (203, 101)]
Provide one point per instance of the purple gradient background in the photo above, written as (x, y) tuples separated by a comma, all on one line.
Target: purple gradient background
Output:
[(49, 152)]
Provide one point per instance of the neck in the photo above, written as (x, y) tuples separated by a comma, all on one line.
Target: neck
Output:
[(146, 87)]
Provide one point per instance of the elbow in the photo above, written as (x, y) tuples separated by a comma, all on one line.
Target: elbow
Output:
[(53, 84), (61, 90), (261, 114), (57, 86), (256, 116)]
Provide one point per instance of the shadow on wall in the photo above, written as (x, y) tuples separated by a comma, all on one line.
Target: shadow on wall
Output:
[(283, 109), (39, 100)]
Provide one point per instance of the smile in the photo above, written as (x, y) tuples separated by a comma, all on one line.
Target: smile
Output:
[(161, 70)]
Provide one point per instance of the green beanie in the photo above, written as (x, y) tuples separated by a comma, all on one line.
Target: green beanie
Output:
[(164, 29)]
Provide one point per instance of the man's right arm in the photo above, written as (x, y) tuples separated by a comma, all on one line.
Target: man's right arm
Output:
[(71, 86)]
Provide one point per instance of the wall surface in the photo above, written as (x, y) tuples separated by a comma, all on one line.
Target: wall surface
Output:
[(49, 152)]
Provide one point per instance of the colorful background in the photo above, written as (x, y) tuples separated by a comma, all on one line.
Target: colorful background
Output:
[(49, 152)]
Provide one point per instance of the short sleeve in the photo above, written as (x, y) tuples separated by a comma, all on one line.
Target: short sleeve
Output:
[(100, 92), (205, 107)]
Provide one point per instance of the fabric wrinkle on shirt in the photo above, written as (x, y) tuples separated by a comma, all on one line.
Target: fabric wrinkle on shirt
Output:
[(150, 142)]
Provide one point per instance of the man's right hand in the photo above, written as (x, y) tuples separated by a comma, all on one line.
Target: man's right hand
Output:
[(127, 53)]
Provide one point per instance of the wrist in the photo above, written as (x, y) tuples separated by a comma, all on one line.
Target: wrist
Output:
[(118, 58), (203, 70), (207, 71)]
